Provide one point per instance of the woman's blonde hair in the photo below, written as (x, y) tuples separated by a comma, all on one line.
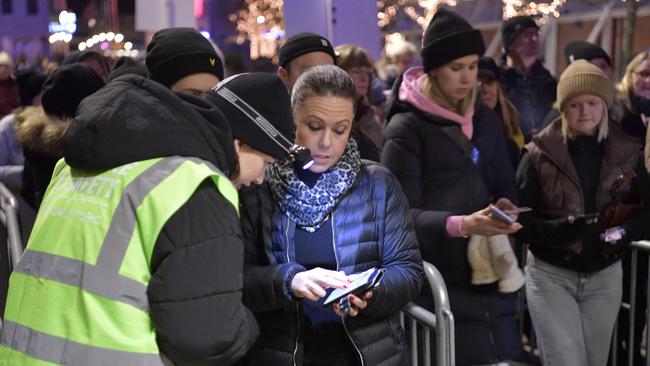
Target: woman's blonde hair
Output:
[(626, 87), (431, 88), (509, 113), (603, 126)]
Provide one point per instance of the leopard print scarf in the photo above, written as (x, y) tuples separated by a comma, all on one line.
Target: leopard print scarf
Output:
[(308, 207)]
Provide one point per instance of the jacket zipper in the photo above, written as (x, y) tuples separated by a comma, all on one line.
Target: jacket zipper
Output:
[(336, 256), (295, 350)]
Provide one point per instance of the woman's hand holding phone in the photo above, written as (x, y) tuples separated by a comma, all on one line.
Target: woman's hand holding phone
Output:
[(485, 222), (354, 304), (312, 284)]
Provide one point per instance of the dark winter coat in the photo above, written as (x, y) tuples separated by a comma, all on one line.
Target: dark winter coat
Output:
[(533, 95), (197, 262), (558, 179), (371, 228), (41, 137), (440, 180)]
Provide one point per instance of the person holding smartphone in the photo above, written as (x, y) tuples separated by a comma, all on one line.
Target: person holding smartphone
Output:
[(565, 176), (448, 152), (312, 227)]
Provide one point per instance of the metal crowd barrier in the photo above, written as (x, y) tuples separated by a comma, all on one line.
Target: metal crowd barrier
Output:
[(442, 323), (9, 218), (637, 246)]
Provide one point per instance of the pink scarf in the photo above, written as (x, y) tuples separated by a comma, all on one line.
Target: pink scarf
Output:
[(411, 92)]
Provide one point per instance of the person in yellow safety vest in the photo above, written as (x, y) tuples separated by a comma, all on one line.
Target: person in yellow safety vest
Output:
[(136, 255)]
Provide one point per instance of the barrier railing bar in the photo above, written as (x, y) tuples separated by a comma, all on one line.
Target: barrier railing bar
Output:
[(10, 208), (641, 245), (445, 353), (630, 335), (647, 344), (442, 323), (414, 342)]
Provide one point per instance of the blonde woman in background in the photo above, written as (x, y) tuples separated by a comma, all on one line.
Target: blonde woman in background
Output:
[(493, 96), (634, 91)]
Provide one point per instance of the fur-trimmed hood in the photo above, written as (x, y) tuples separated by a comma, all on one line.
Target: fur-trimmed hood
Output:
[(40, 133)]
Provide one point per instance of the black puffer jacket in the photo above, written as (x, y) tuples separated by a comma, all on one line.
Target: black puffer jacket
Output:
[(371, 228), (440, 180), (533, 95), (195, 289), (41, 137)]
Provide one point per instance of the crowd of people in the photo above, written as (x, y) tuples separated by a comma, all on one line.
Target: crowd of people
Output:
[(186, 216)]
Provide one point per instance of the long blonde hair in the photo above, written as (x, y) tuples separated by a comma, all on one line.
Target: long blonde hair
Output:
[(431, 88), (509, 113), (626, 87)]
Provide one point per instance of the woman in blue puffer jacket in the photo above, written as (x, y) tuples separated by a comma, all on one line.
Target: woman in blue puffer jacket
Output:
[(308, 229)]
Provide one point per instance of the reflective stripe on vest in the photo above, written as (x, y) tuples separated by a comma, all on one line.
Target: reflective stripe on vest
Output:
[(49, 348), (103, 278)]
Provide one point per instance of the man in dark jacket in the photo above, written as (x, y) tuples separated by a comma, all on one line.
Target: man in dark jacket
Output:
[(190, 286), (527, 84)]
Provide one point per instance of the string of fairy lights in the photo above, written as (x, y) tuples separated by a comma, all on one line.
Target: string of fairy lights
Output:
[(261, 22)]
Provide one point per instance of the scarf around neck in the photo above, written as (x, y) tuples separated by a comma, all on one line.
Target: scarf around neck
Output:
[(308, 207)]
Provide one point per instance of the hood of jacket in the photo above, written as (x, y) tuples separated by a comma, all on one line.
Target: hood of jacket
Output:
[(40, 133), (133, 118)]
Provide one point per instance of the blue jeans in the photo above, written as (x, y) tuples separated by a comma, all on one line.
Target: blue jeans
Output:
[(573, 313)]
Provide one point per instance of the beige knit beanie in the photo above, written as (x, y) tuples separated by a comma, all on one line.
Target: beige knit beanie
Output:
[(581, 77)]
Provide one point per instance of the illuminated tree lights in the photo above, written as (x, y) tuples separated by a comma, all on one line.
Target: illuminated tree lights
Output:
[(420, 11), (261, 22), (542, 10)]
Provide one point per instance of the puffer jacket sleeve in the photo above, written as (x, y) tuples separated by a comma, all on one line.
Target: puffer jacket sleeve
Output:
[(402, 156), (195, 293), (266, 283), (401, 261)]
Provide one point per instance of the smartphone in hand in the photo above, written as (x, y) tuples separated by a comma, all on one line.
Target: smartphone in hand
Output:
[(498, 214)]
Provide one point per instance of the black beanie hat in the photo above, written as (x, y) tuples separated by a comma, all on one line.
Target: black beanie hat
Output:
[(448, 37), (581, 50), (126, 65), (258, 108), (67, 87), (30, 82), (174, 53), (513, 27), (302, 43), (488, 68)]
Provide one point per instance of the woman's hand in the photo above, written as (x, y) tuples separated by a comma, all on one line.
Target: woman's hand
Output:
[(356, 304), (481, 223), (312, 284)]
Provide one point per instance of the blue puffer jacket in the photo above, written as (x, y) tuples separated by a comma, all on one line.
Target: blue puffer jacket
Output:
[(371, 228)]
